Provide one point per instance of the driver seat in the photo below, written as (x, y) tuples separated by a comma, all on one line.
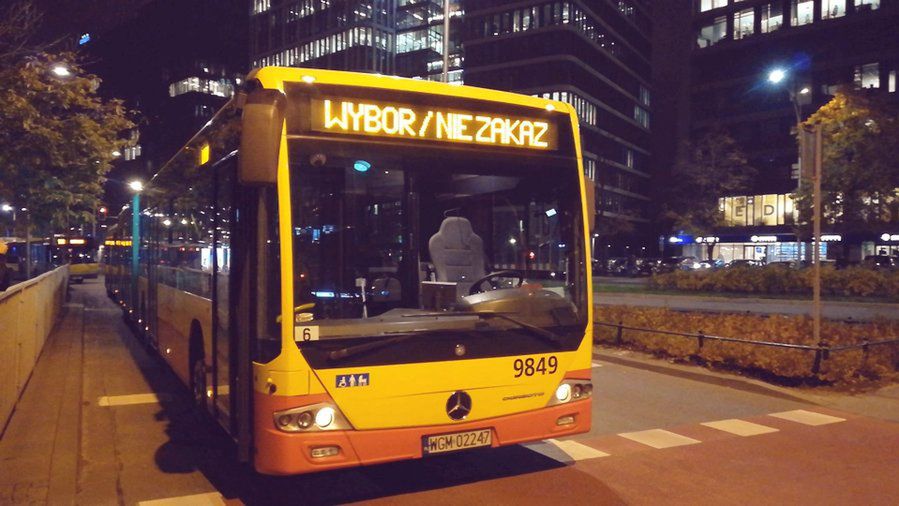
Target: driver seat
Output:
[(457, 253)]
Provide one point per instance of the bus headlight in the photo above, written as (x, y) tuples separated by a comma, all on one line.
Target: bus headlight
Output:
[(324, 417), (571, 390), (321, 416), (563, 393)]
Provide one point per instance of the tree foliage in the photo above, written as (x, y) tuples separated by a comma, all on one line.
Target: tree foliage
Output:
[(57, 135), (713, 166), (860, 162)]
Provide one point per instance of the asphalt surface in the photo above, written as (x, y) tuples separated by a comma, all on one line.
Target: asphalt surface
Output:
[(103, 422), (832, 310)]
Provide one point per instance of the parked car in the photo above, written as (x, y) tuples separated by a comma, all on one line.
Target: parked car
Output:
[(880, 262), (789, 264), (745, 262), (671, 264)]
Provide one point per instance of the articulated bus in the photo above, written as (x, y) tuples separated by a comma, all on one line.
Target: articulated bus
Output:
[(350, 269), (81, 253)]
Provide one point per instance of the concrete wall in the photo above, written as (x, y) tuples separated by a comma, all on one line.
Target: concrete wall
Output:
[(28, 312)]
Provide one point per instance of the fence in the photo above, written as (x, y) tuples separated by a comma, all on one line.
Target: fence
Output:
[(28, 312), (822, 351)]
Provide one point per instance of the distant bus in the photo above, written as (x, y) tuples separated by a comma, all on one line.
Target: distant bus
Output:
[(81, 253), (351, 269), (16, 257)]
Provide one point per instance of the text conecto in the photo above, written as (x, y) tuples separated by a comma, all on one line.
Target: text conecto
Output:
[(432, 124)]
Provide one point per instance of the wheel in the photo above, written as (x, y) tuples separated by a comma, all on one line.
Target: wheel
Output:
[(198, 383), (476, 286)]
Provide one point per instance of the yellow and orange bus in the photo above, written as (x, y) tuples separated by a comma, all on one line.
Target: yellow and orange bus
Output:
[(81, 253), (349, 269)]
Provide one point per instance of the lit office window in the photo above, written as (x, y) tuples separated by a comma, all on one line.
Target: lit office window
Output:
[(867, 76), (772, 16), (132, 152), (220, 88), (891, 82), (644, 95), (833, 8), (802, 12), (744, 23), (642, 116), (706, 5), (261, 6), (590, 169), (710, 35), (861, 4)]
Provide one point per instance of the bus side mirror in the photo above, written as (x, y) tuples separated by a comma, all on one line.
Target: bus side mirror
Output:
[(260, 141), (590, 197)]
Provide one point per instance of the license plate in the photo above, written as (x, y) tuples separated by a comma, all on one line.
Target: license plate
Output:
[(457, 441)]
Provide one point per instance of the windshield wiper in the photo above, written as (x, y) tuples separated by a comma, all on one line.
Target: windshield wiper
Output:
[(546, 335), (349, 351)]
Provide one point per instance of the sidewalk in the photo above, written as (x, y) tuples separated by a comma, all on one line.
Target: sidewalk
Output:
[(881, 403), (39, 449)]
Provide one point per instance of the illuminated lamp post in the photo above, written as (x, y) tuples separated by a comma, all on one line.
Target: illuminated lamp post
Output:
[(135, 186), (810, 147)]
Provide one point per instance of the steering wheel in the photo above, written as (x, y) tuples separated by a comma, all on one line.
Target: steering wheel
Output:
[(476, 286)]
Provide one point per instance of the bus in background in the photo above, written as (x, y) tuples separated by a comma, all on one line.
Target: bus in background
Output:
[(80, 253), (16, 257), (351, 269)]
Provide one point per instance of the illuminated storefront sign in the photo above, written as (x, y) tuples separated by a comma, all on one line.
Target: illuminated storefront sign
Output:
[(754, 210), (763, 238), (889, 237), (410, 121), (831, 237), (708, 240)]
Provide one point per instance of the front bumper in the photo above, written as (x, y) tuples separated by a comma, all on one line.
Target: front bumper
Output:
[(282, 453)]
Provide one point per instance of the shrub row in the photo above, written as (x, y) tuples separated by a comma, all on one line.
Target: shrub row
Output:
[(879, 362), (778, 280)]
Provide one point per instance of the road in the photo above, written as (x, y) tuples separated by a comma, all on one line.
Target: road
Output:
[(102, 422), (832, 310)]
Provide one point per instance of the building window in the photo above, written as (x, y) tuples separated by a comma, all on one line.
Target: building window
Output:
[(641, 115), (644, 96), (261, 6), (590, 169), (706, 5), (860, 5), (709, 35), (867, 76), (219, 88), (891, 82), (629, 158), (772, 16), (626, 8), (744, 23), (802, 12), (833, 8)]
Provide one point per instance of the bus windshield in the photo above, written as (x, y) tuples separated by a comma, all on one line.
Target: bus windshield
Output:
[(391, 243)]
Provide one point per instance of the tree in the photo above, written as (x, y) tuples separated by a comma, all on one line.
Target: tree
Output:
[(860, 163), (58, 137), (713, 166)]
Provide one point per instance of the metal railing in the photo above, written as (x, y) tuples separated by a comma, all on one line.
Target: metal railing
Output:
[(822, 350)]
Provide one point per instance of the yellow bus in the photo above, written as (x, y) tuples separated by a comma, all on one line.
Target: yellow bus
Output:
[(80, 253), (349, 269)]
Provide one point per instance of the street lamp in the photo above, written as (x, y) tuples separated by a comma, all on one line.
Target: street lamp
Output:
[(135, 186), (61, 70)]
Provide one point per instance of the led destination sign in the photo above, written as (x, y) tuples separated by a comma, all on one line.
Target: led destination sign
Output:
[(409, 121)]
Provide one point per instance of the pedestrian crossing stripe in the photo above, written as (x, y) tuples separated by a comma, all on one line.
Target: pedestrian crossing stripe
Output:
[(127, 400), (208, 499), (740, 427), (658, 438), (807, 417)]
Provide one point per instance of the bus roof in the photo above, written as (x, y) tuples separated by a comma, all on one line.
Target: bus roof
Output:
[(275, 77)]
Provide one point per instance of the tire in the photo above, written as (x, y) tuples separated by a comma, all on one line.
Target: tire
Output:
[(198, 384)]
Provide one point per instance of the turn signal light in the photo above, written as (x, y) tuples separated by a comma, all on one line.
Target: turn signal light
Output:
[(325, 451)]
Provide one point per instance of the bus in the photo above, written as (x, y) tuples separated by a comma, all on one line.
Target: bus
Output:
[(348, 269), (16, 256), (81, 253)]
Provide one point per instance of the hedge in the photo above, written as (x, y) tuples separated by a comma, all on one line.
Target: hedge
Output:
[(790, 365), (782, 280)]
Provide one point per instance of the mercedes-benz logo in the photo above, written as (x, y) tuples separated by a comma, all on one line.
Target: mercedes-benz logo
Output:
[(458, 405)]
